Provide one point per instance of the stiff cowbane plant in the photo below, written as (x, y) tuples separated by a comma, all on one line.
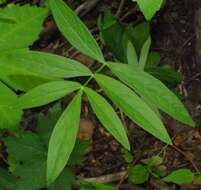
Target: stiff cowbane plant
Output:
[(137, 93)]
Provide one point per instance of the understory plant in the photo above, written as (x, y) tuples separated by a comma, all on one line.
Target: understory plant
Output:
[(45, 78)]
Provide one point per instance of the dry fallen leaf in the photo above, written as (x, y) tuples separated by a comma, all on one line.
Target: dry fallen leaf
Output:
[(86, 129)]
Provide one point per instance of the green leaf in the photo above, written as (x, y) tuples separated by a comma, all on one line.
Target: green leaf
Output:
[(128, 157), (19, 62), (64, 181), (137, 34), (95, 186), (19, 34), (10, 113), (153, 60), (7, 181), (180, 176), (132, 55), (78, 154), (108, 26), (5, 18), (46, 123), (63, 139), (28, 152), (108, 117), (154, 91), (74, 30), (153, 161), (32, 175), (46, 93), (144, 53), (26, 147), (2, 1), (149, 7), (133, 106), (138, 174), (24, 82), (166, 74), (30, 155)]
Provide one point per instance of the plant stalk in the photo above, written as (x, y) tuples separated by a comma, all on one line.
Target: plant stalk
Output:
[(97, 71)]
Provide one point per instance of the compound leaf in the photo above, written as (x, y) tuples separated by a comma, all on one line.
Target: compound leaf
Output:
[(46, 93), (63, 139), (138, 111), (107, 116), (154, 91), (74, 30)]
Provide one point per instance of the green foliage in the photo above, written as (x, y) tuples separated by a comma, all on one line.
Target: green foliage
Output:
[(149, 8), (19, 34), (108, 117), (128, 157), (63, 139), (153, 161), (153, 90), (10, 113), (153, 166), (138, 111), (109, 25), (42, 75), (7, 181), (180, 176), (131, 45), (2, 1), (131, 55), (29, 154), (138, 174), (15, 34), (46, 93), (74, 30), (16, 65), (144, 53), (95, 186)]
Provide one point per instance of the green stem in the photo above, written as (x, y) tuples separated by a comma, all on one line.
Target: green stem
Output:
[(97, 71)]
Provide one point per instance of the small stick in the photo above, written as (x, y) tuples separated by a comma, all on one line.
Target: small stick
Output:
[(121, 6), (107, 178), (191, 161)]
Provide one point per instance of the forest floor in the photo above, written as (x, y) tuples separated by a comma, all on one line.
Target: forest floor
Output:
[(173, 32)]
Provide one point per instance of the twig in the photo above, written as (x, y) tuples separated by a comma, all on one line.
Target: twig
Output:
[(107, 178), (86, 7), (191, 161), (121, 6)]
